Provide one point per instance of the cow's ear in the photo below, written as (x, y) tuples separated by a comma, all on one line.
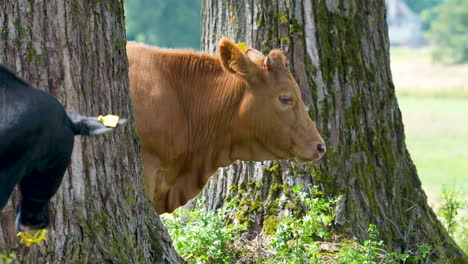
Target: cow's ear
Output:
[(234, 60), (255, 55), (274, 60)]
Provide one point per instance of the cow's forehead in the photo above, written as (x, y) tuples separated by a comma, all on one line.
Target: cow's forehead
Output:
[(281, 78), (286, 80)]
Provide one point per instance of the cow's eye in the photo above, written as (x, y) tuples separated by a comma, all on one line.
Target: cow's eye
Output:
[(286, 100)]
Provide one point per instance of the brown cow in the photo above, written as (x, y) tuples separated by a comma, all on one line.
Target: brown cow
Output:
[(196, 113)]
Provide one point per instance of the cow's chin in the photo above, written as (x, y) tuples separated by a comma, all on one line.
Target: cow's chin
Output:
[(307, 157), (270, 156), (303, 162)]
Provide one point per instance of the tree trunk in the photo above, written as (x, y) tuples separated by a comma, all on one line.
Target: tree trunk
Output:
[(338, 51), (101, 213)]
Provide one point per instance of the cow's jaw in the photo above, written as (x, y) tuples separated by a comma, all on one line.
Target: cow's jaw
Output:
[(258, 150)]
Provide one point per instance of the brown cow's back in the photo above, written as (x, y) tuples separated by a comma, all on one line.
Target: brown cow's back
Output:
[(176, 90), (184, 104)]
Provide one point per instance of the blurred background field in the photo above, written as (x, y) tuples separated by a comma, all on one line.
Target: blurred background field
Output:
[(415, 74), (433, 99)]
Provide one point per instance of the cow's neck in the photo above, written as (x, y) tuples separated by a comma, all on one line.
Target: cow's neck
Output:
[(212, 116), (216, 136)]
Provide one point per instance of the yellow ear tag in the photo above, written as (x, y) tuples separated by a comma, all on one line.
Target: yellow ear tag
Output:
[(109, 120), (242, 46), (29, 239)]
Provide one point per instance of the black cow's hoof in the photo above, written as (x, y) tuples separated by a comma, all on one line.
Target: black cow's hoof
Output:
[(32, 216)]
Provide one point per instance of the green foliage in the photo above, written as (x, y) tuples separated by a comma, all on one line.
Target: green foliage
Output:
[(202, 236), (372, 252), (164, 23), (449, 31), (419, 6), (294, 239), (7, 258), (451, 205)]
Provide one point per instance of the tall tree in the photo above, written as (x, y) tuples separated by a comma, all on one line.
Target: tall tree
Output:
[(338, 51), (101, 213)]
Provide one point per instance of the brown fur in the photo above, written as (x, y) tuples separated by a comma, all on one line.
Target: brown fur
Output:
[(196, 113)]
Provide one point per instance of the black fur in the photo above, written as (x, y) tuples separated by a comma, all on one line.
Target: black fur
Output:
[(36, 142)]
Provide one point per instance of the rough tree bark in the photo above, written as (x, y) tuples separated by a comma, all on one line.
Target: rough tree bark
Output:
[(338, 51), (101, 213)]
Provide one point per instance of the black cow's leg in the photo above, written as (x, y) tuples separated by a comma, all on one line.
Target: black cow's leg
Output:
[(9, 177), (36, 191)]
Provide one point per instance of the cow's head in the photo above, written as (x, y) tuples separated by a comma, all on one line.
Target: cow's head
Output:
[(272, 115)]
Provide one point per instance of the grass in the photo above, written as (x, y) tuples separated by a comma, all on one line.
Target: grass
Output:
[(433, 100), (437, 138)]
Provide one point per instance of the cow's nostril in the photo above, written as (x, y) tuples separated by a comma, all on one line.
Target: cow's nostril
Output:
[(321, 148)]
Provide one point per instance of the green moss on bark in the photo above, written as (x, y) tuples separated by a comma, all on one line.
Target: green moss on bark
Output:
[(270, 224)]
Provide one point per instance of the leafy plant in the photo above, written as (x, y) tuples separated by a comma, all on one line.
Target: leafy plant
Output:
[(294, 239), (202, 236), (449, 208), (372, 252), (451, 204), (7, 258)]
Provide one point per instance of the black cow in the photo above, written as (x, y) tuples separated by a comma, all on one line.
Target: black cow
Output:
[(36, 142)]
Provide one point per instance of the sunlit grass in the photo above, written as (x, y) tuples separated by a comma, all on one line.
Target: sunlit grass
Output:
[(434, 102), (437, 138)]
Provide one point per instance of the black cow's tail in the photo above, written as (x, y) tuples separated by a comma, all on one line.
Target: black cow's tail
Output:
[(89, 125)]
